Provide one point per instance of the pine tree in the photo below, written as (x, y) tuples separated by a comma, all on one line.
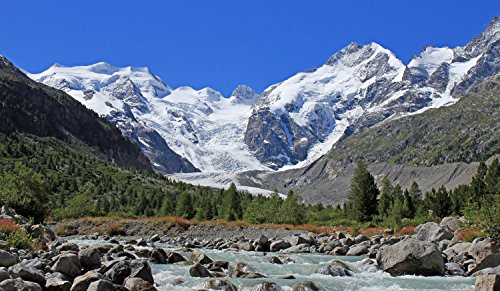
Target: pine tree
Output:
[(492, 179), (439, 202), (408, 206), (478, 186), (386, 199), (231, 204), (184, 207), (290, 210), (363, 194)]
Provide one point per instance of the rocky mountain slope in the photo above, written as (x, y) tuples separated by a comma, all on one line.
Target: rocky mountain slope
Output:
[(292, 123), (29, 107), (362, 86), (438, 147)]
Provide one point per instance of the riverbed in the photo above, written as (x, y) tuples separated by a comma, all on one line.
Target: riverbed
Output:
[(302, 267)]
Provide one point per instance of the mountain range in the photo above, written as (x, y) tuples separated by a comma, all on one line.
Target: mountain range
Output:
[(292, 125)]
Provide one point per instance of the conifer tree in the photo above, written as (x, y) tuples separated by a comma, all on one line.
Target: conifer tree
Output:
[(363, 194), (386, 199)]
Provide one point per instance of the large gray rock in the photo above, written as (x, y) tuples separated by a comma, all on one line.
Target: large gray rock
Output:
[(200, 257), (265, 286), (243, 270), (68, 246), (118, 272), (301, 248), (337, 268), (220, 284), (68, 264), (486, 254), (488, 271), (487, 283), (27, 273), (454, 269), (82, 283), (141, 269), (101, 285), (300, 239), (57, 282), (90, 258), (279, 245), (305, 286), (198, 270), (412, 257), (138, 284), (358, 251), (7, 259), (19, 285), (433, 232), (174, 257), (452, 223)]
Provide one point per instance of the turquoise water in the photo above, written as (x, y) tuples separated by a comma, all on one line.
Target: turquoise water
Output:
[(303, 267)]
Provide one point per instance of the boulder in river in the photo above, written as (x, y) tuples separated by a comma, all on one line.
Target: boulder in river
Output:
[(198, 270), (337, 268), (265, 286), (411, 256), (200, 257), (357, 251), (138, 284), (243, 270), (279, 245), (305, 286), (220, 284)]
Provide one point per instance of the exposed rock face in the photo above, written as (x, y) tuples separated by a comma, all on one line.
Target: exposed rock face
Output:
[(411, 256)]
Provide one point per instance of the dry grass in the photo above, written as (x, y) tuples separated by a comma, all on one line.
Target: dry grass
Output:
[(371, 231), (468, 234), (8, 226), (408, 230)]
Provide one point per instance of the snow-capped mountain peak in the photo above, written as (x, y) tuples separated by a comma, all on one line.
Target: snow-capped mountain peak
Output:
[(244, 94)]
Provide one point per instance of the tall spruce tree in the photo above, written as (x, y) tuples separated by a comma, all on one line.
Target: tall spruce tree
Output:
[(386, 199), (363, 194), (231, 204)]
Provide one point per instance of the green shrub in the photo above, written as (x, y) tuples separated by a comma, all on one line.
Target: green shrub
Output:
[(20, 240)]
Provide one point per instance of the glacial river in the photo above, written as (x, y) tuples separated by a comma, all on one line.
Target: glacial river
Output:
[(303, 267)]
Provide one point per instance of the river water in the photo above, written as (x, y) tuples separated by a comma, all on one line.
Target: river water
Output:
[(303, 267)]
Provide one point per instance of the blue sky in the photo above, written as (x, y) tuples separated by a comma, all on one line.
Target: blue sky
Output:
[(223, 43)]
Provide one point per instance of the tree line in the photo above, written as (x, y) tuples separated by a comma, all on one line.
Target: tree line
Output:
[(43, 177)]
